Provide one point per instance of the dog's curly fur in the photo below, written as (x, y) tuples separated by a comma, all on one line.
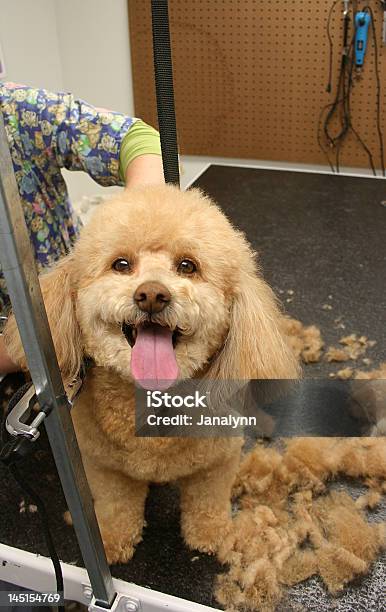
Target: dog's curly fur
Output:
[(230, 328)]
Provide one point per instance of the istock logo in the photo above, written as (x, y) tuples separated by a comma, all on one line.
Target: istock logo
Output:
[(156, 399)]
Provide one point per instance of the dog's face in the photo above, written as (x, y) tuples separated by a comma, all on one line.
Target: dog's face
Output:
[(156, 275), (154, 284), (160, 286)]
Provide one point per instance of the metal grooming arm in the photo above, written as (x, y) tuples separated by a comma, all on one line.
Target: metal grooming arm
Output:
[(23, 286)]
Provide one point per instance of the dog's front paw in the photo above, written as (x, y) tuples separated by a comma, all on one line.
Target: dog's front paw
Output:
[(120, 536), (119, 543), (118, 550), (206, 533)]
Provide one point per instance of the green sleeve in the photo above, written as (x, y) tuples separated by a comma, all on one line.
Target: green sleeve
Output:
[(141, 139)]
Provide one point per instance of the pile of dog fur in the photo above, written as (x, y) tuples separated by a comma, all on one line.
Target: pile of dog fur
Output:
[(308, 345), (290, 526), (290, 522)]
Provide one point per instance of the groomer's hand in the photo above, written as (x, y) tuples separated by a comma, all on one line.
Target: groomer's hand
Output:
[(6, 364), (145, 169)]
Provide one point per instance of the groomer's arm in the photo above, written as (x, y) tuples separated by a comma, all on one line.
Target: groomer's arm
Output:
[(144, 170), (113, 148), (140, 161)]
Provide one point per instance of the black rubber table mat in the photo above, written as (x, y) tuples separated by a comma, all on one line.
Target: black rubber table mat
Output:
[(317, 235)]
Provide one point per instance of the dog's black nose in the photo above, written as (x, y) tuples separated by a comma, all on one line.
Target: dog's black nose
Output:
[(152, 297)]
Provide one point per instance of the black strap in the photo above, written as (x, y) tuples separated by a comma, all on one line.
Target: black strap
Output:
[(42, 512), (163, 70), (12, 453)]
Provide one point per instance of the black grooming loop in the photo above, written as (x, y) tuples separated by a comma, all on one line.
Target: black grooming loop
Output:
[(163, 71)]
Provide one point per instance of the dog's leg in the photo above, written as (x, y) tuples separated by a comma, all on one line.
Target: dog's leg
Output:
[(206, 506), (119, 503)]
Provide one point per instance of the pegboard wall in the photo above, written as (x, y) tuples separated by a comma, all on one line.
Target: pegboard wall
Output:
[(250, 77)]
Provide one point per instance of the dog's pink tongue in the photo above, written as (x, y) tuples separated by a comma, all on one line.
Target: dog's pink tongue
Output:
[(153, 362)]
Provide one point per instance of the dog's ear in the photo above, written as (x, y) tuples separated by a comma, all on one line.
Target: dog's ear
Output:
[(59, 302), (255, 347)]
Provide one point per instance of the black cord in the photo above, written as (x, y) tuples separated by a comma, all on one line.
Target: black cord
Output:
[(337, 162), (321, 145), (356, 134), (333, 107), (328, 88), (341, 105), (378, 80), (340, 90), (348, 109), (25, 487), (45, 525)]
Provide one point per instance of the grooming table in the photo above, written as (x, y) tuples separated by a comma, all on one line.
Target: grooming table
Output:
[(317, 236)]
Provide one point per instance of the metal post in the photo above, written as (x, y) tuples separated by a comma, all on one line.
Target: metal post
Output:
[(20, 273)]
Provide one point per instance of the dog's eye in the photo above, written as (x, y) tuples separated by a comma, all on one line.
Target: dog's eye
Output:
[(186, 266), (121, 265)]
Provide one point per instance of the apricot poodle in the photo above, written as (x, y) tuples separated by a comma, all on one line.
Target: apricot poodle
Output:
[(160, 286)]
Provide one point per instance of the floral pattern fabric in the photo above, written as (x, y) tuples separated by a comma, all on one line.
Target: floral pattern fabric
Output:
[(46, 132)]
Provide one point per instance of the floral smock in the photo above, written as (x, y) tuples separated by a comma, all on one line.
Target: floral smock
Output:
[(46, 132)]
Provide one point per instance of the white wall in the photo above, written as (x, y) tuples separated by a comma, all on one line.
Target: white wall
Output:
[(30, 43), (95, 51)]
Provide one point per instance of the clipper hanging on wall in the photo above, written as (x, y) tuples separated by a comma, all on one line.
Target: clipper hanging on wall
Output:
[(362, 22)]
